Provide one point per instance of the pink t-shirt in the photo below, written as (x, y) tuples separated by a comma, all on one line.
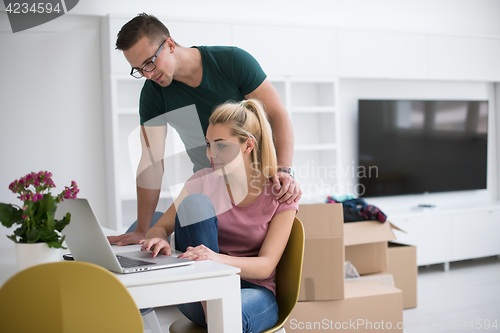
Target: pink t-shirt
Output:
[(242, 229)]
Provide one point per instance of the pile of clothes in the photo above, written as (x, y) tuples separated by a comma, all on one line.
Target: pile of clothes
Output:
[(356, 209)]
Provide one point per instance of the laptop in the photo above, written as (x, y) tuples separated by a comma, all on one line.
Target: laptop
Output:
[(87, 242)]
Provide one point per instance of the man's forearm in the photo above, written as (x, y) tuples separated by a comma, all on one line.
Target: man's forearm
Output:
[(284, 140), (147, 200), (148, 194)]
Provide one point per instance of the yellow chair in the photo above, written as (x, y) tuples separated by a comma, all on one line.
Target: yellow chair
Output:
[(67, 297), (288, 273)]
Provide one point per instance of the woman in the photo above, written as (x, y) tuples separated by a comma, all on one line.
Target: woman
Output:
[(229, 213)]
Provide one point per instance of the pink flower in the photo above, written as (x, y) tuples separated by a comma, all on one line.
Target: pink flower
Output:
[(41, 181), (33, 175)]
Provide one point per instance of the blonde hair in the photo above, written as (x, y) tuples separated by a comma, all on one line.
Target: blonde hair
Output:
[(247, 119)]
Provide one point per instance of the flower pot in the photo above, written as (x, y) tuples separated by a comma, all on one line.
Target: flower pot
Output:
[(31, 254)]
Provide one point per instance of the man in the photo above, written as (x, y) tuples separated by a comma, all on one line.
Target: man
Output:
[(200, 77)]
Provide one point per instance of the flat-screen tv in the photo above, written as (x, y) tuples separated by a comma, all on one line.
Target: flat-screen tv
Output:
[(421, 146)]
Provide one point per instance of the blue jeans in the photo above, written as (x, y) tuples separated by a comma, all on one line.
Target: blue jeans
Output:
[(196, 224), (156, 217)]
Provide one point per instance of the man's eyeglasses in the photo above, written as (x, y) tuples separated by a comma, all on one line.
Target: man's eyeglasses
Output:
[(148, 67)]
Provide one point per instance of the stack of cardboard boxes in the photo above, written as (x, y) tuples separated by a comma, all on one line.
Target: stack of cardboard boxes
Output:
[(373, 302)]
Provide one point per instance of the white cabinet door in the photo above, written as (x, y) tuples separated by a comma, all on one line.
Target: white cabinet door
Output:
[(475, 235), (431, 235), (289, 51), (382, 55), (464, 58)]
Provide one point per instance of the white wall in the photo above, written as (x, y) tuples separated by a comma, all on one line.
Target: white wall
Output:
[(438, 16), (352, 90), (51, 113), (496, 111)]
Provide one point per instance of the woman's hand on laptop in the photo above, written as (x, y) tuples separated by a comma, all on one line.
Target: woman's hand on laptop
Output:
[(127, 239), (201, 252), (156, 245)]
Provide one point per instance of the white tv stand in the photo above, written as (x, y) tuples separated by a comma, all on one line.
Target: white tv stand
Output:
[(447, 233)]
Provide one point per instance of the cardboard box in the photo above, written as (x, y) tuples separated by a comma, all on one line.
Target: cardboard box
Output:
[(366, 245), (323, 268), (382, 277), (403, 266), (368, 306)]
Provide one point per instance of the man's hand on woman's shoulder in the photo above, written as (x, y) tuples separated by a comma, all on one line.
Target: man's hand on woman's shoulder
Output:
[(289, 189)]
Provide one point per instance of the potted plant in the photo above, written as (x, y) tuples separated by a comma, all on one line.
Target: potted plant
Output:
[(38, 238)]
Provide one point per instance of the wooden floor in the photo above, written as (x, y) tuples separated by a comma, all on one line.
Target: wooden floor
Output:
[(459, 300)]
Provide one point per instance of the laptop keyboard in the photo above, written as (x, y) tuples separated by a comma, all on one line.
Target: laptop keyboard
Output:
[(126, 262)]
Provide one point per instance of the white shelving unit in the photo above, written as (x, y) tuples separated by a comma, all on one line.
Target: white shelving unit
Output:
[(312, 105)]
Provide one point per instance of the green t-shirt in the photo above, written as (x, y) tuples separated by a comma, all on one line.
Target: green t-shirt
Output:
[(229, 73)]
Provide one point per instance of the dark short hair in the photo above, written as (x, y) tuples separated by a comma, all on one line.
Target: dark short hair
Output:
[(140, 26)]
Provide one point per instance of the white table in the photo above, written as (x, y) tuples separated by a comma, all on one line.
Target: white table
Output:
[(217, 283)]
